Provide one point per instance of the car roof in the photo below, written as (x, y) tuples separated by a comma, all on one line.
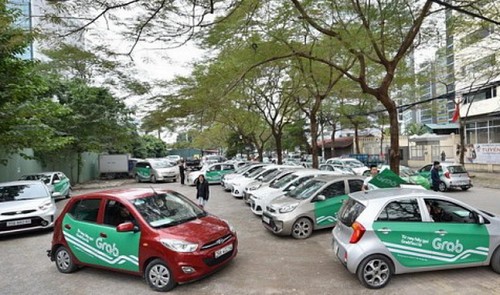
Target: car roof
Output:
[(308, 171), (390, 193), (124, 193), (331, 177)]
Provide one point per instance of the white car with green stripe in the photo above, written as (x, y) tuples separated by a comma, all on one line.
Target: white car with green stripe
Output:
[(312, 205), (391, 231)]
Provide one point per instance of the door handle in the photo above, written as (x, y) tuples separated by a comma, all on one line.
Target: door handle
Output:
[(103, 235), (441, 232), (384, 230), (67, 226)]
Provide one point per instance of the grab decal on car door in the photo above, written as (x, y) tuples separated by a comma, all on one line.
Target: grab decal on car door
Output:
[(102, 245), (326, 211)]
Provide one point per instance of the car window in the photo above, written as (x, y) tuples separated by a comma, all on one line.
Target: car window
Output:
[(141, 165), (445, 211), (116, 213), (282, 181), (334, 189), (227, 167), (56, 177), (426, 168), (326, 168), (401, 210), (350, 211), (86, 210), (300, 180), (271, 175), (456, 169), (307, 189), (214, 168), (355, 185)]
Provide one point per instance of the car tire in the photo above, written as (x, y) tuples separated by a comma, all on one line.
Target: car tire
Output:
[(375, 271), (137, 178), (302, 228), (464, 188), (64, 260), (442, 187), (159, 276), (153, 179), (495, 260)]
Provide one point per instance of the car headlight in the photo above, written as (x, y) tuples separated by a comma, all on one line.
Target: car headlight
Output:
[(231, 228), (45, 205), (254, 186), (179, 246), (288, 208)]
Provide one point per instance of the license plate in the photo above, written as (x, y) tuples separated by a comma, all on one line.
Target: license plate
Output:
[(223, 251), (266, 219), (18, 222)]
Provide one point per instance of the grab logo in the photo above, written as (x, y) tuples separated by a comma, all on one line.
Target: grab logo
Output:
[(110, 249), (439, 244)]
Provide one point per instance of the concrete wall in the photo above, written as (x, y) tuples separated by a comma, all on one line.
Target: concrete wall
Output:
[(15, 165)]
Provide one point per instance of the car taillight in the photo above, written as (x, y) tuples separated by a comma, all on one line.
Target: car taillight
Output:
[(359, 230), (447, 174)]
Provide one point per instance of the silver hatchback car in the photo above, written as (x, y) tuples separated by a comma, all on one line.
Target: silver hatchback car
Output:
[(392, 231)]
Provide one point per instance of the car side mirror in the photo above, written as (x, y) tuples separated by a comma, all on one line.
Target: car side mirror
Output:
[(291, 188), (260, 178), (56, 181), (56, 195), (480, 219), (126, 227), (319, 198)]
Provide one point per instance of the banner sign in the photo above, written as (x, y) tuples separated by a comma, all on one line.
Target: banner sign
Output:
[(483, 153)]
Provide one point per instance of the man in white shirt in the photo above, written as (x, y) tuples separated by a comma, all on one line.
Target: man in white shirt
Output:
[(373, 173)]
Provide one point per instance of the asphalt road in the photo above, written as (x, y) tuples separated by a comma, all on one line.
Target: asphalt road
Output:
[(266, 264)]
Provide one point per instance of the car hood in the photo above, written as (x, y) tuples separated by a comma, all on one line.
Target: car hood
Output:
[(283, 201), (194, 174), (201, 230), (15, 206), (169, 169)]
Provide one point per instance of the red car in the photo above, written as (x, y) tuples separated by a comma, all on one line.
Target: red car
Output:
[(161, 235)]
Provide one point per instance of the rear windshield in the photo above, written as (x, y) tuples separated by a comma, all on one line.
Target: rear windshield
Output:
[(456, 169), (350, 211)]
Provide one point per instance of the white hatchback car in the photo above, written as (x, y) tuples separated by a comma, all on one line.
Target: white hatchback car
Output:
[(357, 166), (391, 231)]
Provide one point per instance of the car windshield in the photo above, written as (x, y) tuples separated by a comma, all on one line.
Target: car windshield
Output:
[(22, 192), (265, 173), (406, 171), (162, 164), (163, 210), (283, 181), (43, 177), (307, 189), (353, 164), (270, 176), (255, 172), (456, 169)]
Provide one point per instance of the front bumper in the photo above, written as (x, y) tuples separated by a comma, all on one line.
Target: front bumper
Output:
[(237, 191), (28, 222), (280, 224), (256, 206)]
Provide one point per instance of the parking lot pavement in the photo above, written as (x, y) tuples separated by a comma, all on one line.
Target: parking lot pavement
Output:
[(265, 264)]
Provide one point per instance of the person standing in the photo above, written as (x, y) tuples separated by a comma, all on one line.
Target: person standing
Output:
[(202, 190), (443, 156), (182, 168), (373, 172), (435, 176)]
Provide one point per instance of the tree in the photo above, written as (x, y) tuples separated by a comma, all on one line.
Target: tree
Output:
[(415, 129), (26, 111), (149, 146)]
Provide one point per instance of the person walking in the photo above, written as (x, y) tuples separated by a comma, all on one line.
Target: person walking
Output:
[(435, 176), (373, 172), (202, 191), (182, 168)]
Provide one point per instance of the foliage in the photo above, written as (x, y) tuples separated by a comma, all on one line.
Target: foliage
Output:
[(149, 146), (415, 129)]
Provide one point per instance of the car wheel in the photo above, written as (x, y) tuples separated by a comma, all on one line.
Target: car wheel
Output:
[(302, 228), (68, 195), (137, 178), (442, 187), (464, 188), (159, 276), (153, 179), (375, 271), (64, 261)]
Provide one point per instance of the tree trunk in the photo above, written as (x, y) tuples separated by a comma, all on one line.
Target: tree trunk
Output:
[(279, 147), (314, 140), (462, 141), (332, 149), (356, 138), (394, 156)]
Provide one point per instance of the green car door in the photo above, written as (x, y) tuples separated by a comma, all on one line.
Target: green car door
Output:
[(100, 244), (61, 184), (213, 173), (417, 243), (326, 210), (142, 171)]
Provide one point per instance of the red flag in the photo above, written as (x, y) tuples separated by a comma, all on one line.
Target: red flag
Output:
[(456, 114)]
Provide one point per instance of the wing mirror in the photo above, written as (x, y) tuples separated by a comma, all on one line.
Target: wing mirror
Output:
[(291, 188), (126, 227), (319, 198), (56, 195)]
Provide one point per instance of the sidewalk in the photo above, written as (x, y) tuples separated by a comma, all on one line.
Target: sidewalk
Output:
[(484, 179), (102, 184)]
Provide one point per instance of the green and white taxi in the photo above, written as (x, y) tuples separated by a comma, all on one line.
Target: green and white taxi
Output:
[(212, 172), (392, 231), (312, 205)]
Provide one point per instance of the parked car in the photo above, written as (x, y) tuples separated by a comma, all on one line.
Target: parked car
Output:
[(26, 205), (56, 181), (228, 180), (193, 163), (211, 159), (174, 158), (357, 166), (311, 206), (260, 198), (452, 175), (384, 232), (155, 170), (337, 168), (160, 235), (239, 185), (212, 173)]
